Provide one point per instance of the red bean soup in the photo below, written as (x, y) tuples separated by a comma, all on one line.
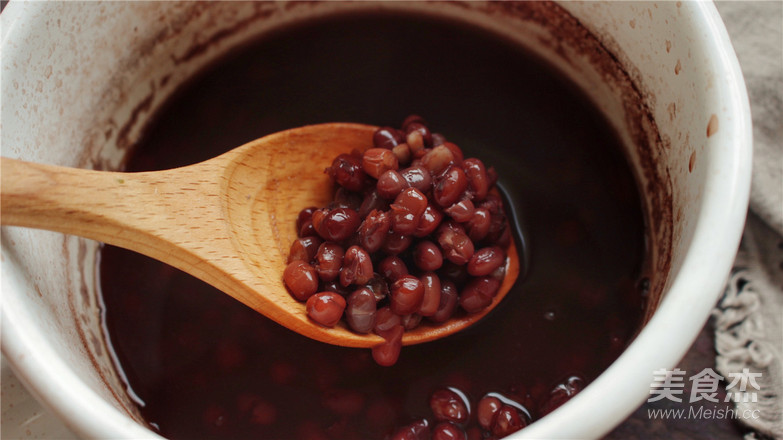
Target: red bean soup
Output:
[(202, 365)]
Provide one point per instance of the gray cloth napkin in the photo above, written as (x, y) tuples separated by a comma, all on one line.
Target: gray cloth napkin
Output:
[(748, 320)]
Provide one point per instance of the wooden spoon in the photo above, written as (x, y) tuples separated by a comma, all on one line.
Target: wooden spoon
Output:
[(228, 221)]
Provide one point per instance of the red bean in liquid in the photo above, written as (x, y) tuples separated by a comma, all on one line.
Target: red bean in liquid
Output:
[(448, 431), (449, 406), (507, 421), (432, 294), (487, 410)]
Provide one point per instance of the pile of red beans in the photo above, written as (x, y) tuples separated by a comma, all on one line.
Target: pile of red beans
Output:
[(414, 232)]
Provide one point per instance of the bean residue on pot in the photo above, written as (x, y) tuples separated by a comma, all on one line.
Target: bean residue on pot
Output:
[(415, 231)]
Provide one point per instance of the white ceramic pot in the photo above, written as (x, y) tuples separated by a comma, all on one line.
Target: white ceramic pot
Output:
[(81, 79)]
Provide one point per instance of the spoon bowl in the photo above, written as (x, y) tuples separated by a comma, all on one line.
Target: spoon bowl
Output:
[(228, 221)]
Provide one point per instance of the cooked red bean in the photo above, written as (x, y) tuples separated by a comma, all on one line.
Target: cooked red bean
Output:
[(406, 296), (403, 153), (387, 137), (396, 243), (372, 201), (326, 308), (461, 211), (387, 352), (437, 159), (418, 177), (329, 260), (307, 230), (301, 279), (427, 256), (498, 231), (449, 297), (418, 127), (304, 216), (406, 210), (478, 182), (361, 310), (304, 249), (336, 287), (378, 286), (454, 272), (432, 294), (410, 322), (346, 199), (447, 405), (419, 430), (347, 171), (486, 260), (487, 410), (377, 161), (386, 320), (449, 186), (429, 221), (561, 393), (438, 139), (478, 294), (390, 184), (357, 267), (456, 151), (507, 421), (492, 174), (393, 268), (336, 224), (373, 230), (448, 431), (457, 247), (478, 225), (415, 142)]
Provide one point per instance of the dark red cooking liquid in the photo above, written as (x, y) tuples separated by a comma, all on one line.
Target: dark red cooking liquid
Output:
[(206, 366)]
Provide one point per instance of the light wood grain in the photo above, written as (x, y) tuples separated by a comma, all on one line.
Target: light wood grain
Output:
[(228, 221)]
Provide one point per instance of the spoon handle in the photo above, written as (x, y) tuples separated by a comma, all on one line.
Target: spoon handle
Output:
[(146, 212)]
